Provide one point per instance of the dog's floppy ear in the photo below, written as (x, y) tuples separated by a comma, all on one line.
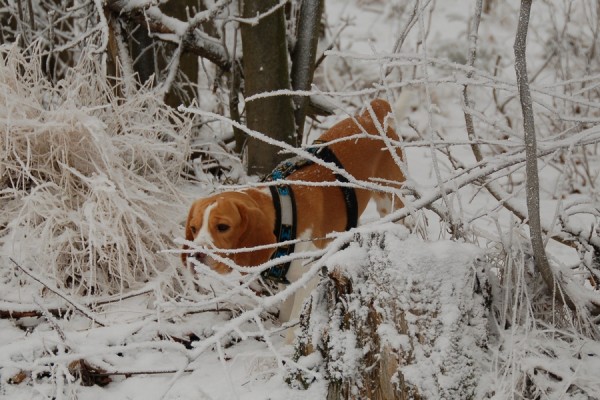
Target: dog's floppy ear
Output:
[(257, 231)]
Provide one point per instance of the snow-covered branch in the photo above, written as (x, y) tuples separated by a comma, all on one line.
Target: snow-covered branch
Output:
[(172, 30)]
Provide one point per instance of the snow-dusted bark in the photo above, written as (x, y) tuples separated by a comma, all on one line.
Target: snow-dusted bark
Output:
[(266, 70), (176, 31), (397, 318)]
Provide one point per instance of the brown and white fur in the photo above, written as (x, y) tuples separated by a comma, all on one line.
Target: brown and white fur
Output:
[(245, 219)]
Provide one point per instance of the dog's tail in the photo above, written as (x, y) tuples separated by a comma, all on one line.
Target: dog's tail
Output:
[(389, 163), (381, 108)]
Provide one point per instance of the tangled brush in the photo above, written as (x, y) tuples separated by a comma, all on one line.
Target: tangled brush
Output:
[(87, 178)]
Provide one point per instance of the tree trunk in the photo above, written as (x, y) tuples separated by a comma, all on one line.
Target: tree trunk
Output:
[(266, 69), (303, 58)]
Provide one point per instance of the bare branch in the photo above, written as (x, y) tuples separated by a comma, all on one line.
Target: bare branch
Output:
[(470, 62), (174, 31), (59, 293), (531, 167)]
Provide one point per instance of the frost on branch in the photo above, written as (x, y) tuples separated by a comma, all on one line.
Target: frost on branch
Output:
[(397, 318), (86, 178)]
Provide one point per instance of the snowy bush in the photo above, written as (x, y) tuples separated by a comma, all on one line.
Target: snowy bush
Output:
[(87, 177)]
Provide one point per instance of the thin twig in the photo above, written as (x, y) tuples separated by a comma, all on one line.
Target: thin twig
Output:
[(52, 321), (59, 293), (531, 167)]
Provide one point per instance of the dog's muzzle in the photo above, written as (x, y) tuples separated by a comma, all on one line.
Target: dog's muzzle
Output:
[(200, 257)]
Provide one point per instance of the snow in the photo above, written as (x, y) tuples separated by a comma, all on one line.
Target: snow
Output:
[(96, 218)]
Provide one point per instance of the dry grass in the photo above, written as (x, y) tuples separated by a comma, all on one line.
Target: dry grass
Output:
[(87, 178)]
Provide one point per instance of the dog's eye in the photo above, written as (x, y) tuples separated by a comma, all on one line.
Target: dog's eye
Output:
[(193, 229), (222, 227)]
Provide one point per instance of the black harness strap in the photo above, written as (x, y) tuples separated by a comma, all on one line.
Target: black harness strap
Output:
[(283, 195), (325, 154)]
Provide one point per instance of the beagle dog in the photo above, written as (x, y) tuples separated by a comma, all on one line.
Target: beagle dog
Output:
[(251, 218)]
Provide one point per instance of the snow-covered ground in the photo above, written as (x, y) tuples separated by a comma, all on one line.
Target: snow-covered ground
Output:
[(149, 332)]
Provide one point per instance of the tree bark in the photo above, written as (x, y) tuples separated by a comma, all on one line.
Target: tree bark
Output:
[(531, 167), (266, 69), (385, 328), (303, 57)]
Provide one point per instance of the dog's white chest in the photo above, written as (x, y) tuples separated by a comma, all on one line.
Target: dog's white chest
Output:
[(291, 307)]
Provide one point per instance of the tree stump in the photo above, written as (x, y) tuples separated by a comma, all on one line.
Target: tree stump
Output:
[(396, 318)]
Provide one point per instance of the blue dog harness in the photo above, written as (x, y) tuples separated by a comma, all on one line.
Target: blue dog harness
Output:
[(285, 206)]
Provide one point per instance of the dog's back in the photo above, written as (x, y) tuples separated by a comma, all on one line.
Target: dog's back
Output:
[(358, 144)]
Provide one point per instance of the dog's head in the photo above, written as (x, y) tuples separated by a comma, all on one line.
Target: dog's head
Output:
[(227, 221)]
